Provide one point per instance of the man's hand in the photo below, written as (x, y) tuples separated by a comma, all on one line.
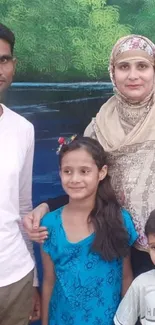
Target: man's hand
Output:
[(31, 223), (36, 307)]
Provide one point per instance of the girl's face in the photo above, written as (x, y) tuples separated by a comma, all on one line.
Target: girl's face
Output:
[(134, 79), (80, 175)]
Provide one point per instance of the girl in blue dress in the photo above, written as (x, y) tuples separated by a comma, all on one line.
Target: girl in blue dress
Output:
[(86, 255)]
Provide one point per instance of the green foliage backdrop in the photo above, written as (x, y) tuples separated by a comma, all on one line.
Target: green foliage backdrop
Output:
[(70, 40)]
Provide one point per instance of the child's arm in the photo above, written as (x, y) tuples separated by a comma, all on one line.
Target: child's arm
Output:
[(127, 275), (48, 283)]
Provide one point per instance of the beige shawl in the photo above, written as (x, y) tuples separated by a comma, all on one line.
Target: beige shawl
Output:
[(127, 134)]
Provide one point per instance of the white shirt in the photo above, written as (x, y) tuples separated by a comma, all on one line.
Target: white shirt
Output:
[(16, 161), (139, 301)]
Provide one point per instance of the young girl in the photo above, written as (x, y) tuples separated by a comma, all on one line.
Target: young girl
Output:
[(86, 256)]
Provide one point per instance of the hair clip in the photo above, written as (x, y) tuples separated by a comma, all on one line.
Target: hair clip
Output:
[(63, 141)]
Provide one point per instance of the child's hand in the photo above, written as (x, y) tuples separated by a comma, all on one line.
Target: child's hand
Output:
[(36, 307)]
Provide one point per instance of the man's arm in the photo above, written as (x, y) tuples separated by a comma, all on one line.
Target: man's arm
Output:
[(33, 218), (25, 206), (25, 190)]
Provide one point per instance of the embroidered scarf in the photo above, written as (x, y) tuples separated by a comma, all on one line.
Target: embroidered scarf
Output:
[(126, 130)]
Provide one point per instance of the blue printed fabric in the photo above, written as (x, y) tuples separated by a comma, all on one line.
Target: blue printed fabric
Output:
[(87, 290)]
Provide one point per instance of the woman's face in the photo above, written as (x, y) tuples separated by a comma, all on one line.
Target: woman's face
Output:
[(134, 79)]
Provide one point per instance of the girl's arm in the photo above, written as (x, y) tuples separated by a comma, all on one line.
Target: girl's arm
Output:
[(48, 284), (127, 274)]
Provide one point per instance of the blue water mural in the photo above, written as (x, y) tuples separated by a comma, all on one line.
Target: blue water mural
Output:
[(55, 110)]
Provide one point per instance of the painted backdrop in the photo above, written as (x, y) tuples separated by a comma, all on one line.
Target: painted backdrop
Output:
[(63, 48)]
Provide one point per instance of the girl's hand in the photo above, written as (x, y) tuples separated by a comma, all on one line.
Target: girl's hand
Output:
[(127, 275), (36, 307), (31, 223), (48, 284)]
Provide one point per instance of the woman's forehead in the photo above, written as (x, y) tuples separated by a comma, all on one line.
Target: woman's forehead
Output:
[(131, 47), (132, 62), (134, 42)]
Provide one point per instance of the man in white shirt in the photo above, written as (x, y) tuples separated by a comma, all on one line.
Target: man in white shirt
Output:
[(17, 296), (139, 301)]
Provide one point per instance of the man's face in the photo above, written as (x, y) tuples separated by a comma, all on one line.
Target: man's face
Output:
[(7, 65)]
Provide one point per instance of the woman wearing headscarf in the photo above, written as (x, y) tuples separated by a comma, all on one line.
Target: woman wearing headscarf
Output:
[(125, 127)]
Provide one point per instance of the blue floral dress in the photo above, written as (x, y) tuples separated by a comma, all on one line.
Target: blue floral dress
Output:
[(87, 290)]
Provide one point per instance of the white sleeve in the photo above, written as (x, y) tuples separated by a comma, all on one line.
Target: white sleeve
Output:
[(129, 308), (25, 191)]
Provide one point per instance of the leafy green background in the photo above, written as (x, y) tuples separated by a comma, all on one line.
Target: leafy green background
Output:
[(70, 40)]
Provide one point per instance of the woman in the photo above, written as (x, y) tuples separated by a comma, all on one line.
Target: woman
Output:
[(125, 127)]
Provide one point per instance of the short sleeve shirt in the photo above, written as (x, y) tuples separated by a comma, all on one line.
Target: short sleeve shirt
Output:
[(139, 301), (87, 288)]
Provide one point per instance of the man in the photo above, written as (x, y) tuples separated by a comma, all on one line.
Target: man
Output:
[(16, 160)]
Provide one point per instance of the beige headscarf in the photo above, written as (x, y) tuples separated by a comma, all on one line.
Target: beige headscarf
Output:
[(126, 130)]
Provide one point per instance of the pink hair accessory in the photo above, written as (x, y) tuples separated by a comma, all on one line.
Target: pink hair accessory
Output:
[(63, 141)]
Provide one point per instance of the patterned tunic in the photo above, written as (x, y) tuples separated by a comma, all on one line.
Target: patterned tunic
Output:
[(87, 289)]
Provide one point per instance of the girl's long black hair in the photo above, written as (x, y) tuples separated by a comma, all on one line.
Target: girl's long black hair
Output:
[(111, 237)]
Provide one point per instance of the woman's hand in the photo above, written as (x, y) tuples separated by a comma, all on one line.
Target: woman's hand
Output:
[(31, 223)]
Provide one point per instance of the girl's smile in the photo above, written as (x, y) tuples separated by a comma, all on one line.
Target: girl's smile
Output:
[(79, 174)]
